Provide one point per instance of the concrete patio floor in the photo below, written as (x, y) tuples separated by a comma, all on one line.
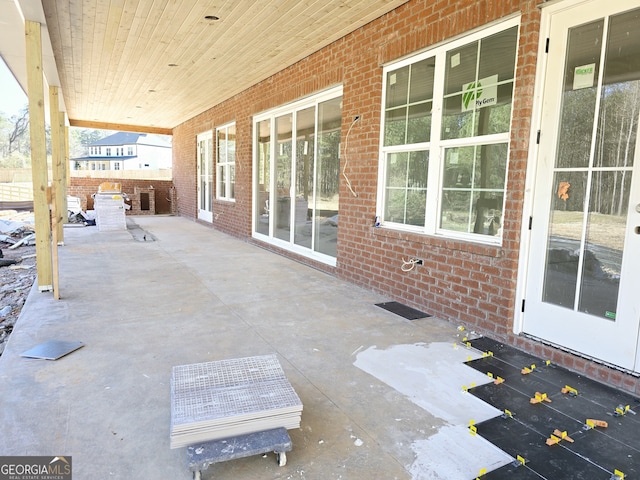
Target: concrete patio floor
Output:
[(382, 395)]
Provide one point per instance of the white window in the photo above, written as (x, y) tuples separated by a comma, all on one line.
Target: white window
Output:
[(108, 151), (130, 151), (445, 137), (226, 162), (116, 166)]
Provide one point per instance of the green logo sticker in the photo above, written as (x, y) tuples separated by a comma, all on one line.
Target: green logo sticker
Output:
[(473, 91), (482, 93)]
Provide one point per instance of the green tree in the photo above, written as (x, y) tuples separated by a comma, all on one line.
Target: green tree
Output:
[(14, 140), (81, 138)]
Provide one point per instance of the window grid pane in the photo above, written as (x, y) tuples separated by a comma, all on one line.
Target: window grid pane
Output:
[(409, 100), (473, 189), (225, 160), (406, 192)]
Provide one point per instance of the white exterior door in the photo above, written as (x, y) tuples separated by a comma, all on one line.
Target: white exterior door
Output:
[(582, 290), (205, 176)]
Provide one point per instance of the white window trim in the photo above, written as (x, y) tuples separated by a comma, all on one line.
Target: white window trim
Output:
[(225, 165), (436, 146)]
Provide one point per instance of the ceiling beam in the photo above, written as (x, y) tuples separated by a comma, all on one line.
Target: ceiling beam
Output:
[(122, 127)]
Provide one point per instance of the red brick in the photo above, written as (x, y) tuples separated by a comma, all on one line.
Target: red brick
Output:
[(459, 281)]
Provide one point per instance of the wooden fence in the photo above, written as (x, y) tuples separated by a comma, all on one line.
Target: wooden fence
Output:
[(16, 192)]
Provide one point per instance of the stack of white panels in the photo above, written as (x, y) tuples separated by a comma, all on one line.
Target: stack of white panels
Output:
[(215, 400), (110, 212)]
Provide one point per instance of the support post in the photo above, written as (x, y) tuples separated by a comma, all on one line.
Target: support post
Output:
[(64, 137), (57, 166), (39, 173)]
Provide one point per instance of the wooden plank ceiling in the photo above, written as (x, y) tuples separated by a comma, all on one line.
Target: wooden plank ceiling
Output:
[(157, 63)]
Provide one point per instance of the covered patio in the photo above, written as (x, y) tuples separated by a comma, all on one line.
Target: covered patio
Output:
[(382, 395)]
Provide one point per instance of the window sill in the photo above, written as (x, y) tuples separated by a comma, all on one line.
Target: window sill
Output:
[(438, 241)]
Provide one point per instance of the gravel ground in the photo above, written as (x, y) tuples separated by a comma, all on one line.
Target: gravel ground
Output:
[(15, 280)]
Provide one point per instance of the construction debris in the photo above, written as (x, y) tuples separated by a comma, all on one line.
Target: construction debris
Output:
[(17, 250)]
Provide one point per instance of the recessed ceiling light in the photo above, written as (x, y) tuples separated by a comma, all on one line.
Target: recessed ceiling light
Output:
[(152, 90), (211, 17), (173, 64)]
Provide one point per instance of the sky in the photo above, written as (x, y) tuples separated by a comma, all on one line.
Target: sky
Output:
[(12, 98)]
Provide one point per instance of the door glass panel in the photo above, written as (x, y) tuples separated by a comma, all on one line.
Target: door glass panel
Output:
[(202, 144), (305, 146), (205, 169), (620, 98), (263, 180), (606, 228), (328, 177), (592, 179), (580, 94), (614, 152), (284, 157), (565, 234)]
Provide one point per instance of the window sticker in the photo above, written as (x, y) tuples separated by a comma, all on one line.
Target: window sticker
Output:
[(583, 76), (455, 60), (482, 93)]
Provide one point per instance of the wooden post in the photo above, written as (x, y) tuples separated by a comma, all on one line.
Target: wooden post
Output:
[(57, 166), (64, 138), (66, 157), (54, 234), (39, 173)]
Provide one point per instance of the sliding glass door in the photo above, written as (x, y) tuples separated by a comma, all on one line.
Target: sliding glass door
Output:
[(297, 176)]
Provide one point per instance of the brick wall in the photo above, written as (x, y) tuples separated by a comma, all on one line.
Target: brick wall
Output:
[(460, 281), (85, 187)]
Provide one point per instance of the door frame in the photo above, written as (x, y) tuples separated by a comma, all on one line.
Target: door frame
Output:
[(206, 215), (548, 12)]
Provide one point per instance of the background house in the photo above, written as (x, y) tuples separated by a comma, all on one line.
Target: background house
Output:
[(126, 151)]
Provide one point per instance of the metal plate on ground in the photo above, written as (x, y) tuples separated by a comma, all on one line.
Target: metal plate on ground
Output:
[(403, 310), (52, 350)]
